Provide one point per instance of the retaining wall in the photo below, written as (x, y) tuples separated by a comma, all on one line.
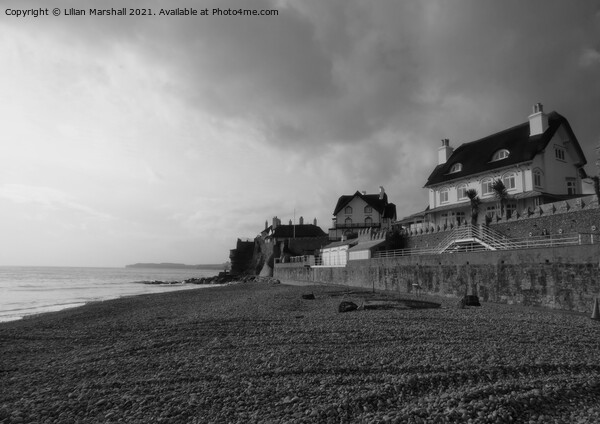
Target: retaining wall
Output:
[(580, 215), (562, 278)]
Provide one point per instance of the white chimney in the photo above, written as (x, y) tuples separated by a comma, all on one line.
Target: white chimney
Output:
[(381, 192), (538, 120), (445, 151)]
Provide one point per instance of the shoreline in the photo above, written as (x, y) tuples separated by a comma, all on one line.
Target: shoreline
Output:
[(54, 308), (259, 352)]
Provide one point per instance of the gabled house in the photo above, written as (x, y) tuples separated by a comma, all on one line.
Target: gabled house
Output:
[(361, 211), (293, 239), (538, 161)]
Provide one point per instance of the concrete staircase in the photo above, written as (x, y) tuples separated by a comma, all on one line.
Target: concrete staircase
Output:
[(474, 238)]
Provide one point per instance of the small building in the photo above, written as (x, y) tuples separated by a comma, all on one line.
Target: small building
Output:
[(293, 239), (336, 253), (360, 211)]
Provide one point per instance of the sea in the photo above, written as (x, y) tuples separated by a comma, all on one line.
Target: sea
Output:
[(26, 291)]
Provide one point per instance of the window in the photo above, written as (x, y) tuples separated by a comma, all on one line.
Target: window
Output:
[(348, 221), (490, 211), (559, 152), (537, 178), (486, 187), (500, 154), (462, 191), (571, 186), (368, 209), (348, 210), (444, 195), (457, 167), (368, 221), (511, 208), (509, 181), (460, 218), (444, 218)]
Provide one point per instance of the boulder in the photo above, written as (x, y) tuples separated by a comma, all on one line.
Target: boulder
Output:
[(346, 306), (471, 300)]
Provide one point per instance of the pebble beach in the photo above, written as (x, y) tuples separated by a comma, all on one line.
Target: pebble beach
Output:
[(259, 352)]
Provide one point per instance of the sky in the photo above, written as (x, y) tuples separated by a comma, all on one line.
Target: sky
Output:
[(130, 139)]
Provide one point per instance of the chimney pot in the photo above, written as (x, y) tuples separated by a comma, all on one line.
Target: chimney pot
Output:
[(538, 120), (445, 151)]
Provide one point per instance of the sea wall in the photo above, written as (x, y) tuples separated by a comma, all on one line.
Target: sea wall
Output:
[(561, 278)]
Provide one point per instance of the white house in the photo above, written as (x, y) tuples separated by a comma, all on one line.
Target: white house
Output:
[(361, 211), (539, 161)]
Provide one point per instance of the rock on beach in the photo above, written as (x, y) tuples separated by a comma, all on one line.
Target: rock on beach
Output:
[(258, 352)]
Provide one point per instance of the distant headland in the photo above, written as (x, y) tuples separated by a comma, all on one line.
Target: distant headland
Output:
[(169, 265)]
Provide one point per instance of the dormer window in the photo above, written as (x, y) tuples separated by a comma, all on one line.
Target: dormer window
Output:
[(457, 167), (500, 154)]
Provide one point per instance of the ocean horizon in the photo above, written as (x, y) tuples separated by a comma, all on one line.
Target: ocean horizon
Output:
[(32, 290)]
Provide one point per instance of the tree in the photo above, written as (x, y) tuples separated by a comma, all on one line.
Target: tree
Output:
[(475, 202), (500, 193)]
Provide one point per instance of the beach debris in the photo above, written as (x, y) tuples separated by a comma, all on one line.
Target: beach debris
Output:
[(347, 306), (471, 300), (309, 296), (596, 311)]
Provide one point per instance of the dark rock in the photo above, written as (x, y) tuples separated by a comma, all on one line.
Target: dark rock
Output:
[(346, 306), (309, 296), (471, 300)]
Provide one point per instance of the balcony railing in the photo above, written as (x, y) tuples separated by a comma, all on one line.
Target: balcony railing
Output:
[(359, 225)]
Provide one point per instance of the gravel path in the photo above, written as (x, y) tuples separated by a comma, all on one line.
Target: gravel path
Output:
[(257, 352)]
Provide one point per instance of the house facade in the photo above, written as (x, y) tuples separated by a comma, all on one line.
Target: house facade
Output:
[(539, 161), (361, 211)]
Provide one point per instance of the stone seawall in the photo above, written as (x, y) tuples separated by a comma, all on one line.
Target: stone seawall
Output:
[(565, 278)]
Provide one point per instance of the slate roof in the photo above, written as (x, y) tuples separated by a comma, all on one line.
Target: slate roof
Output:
[(475, 156), (387, 210), (350, 243), (304, 230), (367, 245)]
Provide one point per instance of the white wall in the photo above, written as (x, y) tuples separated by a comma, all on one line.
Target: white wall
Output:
[(556, 171), (335, 256), (358, 213)]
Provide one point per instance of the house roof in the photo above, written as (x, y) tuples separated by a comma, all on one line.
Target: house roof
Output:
[(298, 231), (476, 156), (350, 242), (387, 210), (366, 245)]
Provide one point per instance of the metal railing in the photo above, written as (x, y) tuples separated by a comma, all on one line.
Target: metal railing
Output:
[(501, 242), (482, 234), (359, 225), (554, 240)]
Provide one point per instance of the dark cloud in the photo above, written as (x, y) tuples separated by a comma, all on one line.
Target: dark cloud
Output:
[(355, 74)]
